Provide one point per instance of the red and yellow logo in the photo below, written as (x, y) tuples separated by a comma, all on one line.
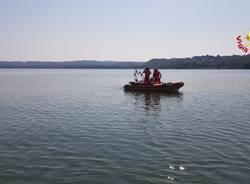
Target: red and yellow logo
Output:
[(244, 45)]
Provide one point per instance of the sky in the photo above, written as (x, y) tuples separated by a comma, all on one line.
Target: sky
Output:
[(121, 30)]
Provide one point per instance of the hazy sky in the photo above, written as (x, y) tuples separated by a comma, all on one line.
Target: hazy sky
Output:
[(120, 29)]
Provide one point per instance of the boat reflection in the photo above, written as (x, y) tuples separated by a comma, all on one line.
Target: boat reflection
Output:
[(152, 102)]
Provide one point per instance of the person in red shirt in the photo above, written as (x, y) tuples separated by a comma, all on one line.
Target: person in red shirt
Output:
[(147, 75), (157, 76)]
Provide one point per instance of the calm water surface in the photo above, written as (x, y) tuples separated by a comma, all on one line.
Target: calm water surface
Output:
[(79, 126)]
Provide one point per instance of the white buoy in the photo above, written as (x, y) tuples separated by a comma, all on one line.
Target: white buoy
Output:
[(182, 168), (177, 167), (170, 178)]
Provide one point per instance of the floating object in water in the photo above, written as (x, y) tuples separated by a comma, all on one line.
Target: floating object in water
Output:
[(163, 87), (177, 167), (170, 178)]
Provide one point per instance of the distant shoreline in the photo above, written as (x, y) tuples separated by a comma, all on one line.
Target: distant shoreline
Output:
[(196, 62)]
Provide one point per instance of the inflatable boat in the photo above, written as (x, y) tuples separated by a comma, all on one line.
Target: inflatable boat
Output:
[(163, 87)]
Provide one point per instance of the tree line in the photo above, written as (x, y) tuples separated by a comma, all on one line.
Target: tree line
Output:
[(196, 62)]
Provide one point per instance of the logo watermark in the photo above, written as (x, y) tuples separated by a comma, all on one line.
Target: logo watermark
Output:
[(244, 42)]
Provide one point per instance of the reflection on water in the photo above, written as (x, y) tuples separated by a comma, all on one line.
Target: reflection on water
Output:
[(152, 101)]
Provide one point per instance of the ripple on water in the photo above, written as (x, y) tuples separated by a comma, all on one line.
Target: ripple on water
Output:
[(64, 126)]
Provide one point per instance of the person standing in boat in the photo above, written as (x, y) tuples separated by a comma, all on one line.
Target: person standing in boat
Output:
[(147, 75), (157, 76), (136, 74)]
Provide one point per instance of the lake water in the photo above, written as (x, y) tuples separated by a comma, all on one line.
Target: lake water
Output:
[(79, 126)]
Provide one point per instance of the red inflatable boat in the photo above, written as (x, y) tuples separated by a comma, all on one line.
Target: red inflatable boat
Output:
[(164, 87)]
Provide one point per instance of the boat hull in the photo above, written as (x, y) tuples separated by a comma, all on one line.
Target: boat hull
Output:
[(165, 87)]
